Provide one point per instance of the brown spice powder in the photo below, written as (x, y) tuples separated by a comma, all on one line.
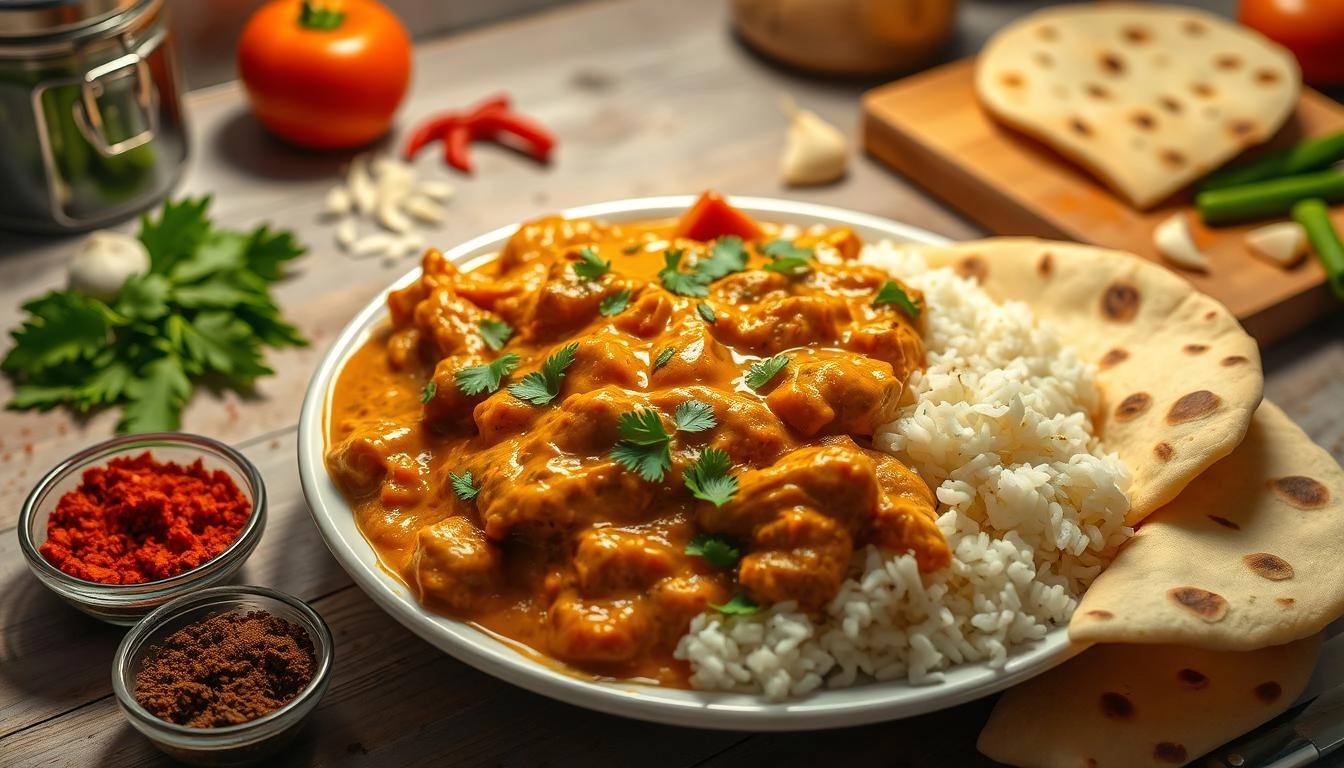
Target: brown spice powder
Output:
[(225, 670)]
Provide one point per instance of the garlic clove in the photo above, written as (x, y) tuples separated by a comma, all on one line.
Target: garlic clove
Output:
[(424, 208), (363, 191), (376, 244), (1284, 243), (338, 202), (104, 260), (435, 190), (815, 152), (347, 232), (1174, 242)]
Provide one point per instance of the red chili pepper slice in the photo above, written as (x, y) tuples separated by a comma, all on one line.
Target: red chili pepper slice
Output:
[(537, 140), (455, 143), (489, 120), (435, 127)]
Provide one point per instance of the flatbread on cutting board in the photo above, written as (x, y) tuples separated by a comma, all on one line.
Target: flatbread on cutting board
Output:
[(1178, 375), (1250, 554), (1147, 97), (1127, 706)]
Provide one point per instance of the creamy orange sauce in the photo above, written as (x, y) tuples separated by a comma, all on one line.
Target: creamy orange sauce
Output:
[(565, 549)]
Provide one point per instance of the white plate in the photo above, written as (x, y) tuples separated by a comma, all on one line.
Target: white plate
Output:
[(863, 703)]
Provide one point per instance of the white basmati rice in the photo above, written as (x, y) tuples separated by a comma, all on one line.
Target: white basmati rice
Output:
[(1031, 506)]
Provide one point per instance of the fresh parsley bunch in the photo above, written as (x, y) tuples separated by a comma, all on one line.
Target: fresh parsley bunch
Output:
[(201, 314)]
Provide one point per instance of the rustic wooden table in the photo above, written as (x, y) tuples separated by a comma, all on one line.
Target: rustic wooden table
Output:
[(648, 98)]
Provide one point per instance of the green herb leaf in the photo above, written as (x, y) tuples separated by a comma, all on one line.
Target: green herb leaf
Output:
[(642, 426), (719, 551), (728, 255), (740, 605), (614, 304), (464, 487), (706, 312), (485, 377), (785, 249), (892, 293), (590, 266), (495, 332), (791, 267), (632, 249), (762, 372), (645, 444), (678, 282), (428, 391), (63, 327), (664, 357), (154, 401), (694, 416), (176, 235), (708, 477), (541, 387)]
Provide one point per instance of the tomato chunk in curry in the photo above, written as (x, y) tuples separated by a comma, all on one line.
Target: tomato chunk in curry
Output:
[(569, 524)]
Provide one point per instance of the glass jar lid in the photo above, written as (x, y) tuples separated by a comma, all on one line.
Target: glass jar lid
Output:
[(43, 18)]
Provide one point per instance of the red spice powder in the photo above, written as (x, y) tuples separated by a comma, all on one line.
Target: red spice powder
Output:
[(137, 520)]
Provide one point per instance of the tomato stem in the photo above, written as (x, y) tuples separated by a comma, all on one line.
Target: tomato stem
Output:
[(317, 15)]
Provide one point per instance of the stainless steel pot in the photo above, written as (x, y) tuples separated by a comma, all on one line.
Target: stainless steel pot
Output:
[(91, 127)]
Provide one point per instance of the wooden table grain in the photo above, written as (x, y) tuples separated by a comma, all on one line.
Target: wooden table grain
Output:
[(647, 98)]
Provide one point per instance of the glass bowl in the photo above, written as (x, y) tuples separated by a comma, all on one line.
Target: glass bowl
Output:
[(126, 604), (242, 744)]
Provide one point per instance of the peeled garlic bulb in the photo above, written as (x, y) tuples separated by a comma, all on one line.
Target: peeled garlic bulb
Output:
[(814, 150), (1174, 241), (104, 260), (1284, 243)]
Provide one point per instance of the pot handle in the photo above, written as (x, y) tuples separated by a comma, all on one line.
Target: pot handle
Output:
[(89, 110)]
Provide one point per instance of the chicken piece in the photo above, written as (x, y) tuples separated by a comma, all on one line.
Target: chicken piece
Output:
[(361, 461), (502, 416), (843, 241), (836, 394), (601, 361), (647, 315), (541, 237), (745, 429), (450, 324), (610, 561), (407, 481), (802, 555), (449, 408), (585, 630), (403, 348), (895, 344), (749, 287), (835, 479), (584, 424), (853, 280), (905, 519), (455, 566), (678, 599), (542, 491), (781, 323), (696, 358)]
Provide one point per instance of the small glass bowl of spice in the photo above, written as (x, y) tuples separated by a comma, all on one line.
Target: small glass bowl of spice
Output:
[(223, 676), (135, 521)]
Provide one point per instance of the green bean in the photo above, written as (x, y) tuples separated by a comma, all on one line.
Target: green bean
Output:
[(1314, 216), (1262, 199), (1310, 155)]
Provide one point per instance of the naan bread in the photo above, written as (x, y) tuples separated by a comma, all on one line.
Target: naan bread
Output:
[(1178, 375), (1127, 706), (1250, 554), (1146, 97)]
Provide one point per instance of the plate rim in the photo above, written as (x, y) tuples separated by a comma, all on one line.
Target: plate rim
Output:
[(510, 662)]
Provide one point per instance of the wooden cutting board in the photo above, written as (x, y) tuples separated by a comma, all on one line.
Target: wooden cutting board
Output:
[(931, 128)]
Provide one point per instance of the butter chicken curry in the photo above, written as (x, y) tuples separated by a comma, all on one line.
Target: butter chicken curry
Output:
[(609, 429)]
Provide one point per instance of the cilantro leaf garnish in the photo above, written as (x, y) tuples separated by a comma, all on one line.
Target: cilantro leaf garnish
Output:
[(728, 255), (486, 377), (428, 392), (706, 312), (790, 266), (541, 387), (762, 372), (632, 249), (464, 486), (614, 304), (708, 477), (678, 282), (495, 332), (785, 249), (590, 266), (740, 605), (893, 294), (664, 357), (202, 312), (644, 447), (719, 551), (694, 416)]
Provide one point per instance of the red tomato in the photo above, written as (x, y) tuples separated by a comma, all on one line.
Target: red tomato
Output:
[(1312, 29), (712, 217), (325, 79)]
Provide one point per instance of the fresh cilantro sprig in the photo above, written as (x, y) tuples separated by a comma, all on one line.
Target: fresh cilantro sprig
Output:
[(740, 605), (891, 293), (664, 357), (706, 313), (645, 446), (464, 486), (787, 258), (681, 283), (590, 266), (495, 332), (708, 478), (718, 551), (541, 387), (428, 391), (761, 373), (726, 256), (202, 313), (486, 377), (614, 304)]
